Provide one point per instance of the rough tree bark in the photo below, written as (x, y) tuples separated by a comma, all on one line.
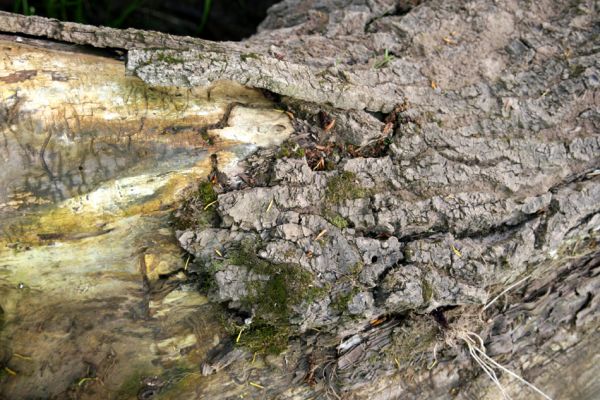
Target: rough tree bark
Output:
[(443, 152)]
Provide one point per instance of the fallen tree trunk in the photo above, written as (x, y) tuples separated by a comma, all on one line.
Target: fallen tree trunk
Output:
[(441, 187)]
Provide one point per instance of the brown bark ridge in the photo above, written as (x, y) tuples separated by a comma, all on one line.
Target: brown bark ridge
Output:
[(446, 151)]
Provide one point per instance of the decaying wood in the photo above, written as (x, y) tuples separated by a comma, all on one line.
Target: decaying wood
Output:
[(464, 157), (195, 62), (93, 162)]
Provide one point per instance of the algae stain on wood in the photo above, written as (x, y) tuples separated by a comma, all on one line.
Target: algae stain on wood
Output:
[(92, 163)]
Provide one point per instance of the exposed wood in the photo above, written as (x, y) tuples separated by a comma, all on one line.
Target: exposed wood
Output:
[(464, 160)]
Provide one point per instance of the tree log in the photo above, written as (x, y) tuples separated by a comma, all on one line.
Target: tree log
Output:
[(441, 185)]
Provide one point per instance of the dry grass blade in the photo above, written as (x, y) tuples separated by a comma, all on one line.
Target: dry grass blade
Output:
[(504, 292), (320, 235), (476, 348), (256, 385), (212, 203)]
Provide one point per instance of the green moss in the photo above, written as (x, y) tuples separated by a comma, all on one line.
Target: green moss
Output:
[(289, 253), (174, 381), (408, 254), (264, 337), (169, 59), (341, 301), (413, 344), (132, 384), (249, 56), (337, 220), (426, 290), (316, 293), (344, 187), (288, 285), (207, 276), (207, 193), (351, 288), (207, 210), (270, 298), (199, 210), (290, 149), (577, 70), (244, 253), (357, 269), (206, 137)]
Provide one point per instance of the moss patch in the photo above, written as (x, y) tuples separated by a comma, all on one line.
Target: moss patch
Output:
[(207, 196), (357, 269), (200, 210), (341, 301), (344, 187), (178, 381), (207, 276), (427, 291), (169, 59), (206, 137), (273, 299), (249, 56), (337, 220), (290, 149), (288, 284), (577, 70), (413, 344), (263, 337), (132, 384), (206, 193)]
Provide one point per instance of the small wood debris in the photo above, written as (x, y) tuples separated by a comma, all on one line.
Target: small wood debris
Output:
[(321, 234), (327, 121)]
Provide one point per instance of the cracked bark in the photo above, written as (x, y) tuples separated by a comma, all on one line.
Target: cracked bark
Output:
[(490, 175)]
